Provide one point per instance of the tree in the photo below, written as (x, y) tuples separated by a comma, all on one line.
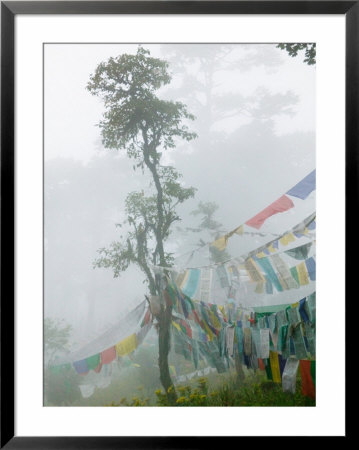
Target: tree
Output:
[(309, 51), (144, 126), (207, 210), (61, 384), (207, 96)]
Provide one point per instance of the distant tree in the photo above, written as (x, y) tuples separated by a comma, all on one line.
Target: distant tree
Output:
[(61, 383), (207, 212), (143, 125), (56, 338), (200, 91), (309, 51)]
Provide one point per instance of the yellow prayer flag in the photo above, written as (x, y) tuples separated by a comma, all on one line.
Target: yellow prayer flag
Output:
[(253, 270), (215, 322), (271, 248), (184, 281), (128, 345), (223, 311), (261, 255), (290, 237), (176, 325), (220, 243), (259, 287), (302, 274), (284, 240), (274, 365), (294, 305), (208, 331), (239, 230)]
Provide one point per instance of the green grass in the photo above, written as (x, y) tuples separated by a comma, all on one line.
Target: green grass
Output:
[(226, 391)]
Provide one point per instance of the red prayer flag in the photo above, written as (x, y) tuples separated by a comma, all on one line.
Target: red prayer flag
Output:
[(109, 355), (261, 364), (307, 380), (282, 204)]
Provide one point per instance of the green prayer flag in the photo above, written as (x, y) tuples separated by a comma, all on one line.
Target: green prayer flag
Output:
[(293, 271), (93, 361), (268, 370), (312, 371)]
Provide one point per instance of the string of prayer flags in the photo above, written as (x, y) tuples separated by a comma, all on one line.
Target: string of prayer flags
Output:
[(284, 203), (289, 376), (308, 387), (287, 239), (304, 187)]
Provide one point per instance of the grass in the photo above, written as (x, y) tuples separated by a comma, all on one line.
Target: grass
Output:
[(226, 391)]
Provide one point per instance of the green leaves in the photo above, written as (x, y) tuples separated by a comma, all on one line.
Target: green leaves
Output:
[(139, 122), (309, 51)]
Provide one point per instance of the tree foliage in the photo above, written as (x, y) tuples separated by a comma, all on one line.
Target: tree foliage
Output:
[(309, 51), (207, 211), (61, 384)]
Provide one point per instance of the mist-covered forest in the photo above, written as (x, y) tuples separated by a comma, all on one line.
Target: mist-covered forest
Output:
[(216, 132)]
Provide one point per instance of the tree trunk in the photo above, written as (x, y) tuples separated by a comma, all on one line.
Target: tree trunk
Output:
[(164, 337)]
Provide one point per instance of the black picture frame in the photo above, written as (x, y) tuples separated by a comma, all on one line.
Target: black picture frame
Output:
[(9, 10)]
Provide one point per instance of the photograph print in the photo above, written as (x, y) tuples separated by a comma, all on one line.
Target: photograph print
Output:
[(179, 224)]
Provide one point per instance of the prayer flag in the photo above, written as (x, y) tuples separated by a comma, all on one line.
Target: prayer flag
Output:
[(308, 387), (283, 271), (93, 361), (304, 187), (289, 376), (192, 282), (282, 204), (81, 367), (127, 346), (268, 269), (220, 243), (274, 364), (302, 274), (264, 338), (310, 263), (300, 252), (109, 355)]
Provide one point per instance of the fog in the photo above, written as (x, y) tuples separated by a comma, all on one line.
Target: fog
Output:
[(255, 120)]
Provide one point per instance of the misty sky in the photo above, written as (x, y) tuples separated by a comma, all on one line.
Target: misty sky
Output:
[(255, 119)]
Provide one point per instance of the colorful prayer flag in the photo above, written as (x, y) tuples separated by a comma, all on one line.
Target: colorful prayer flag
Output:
[(282, 204)]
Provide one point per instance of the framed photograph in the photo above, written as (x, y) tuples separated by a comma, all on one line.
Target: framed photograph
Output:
[(165, 167)]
